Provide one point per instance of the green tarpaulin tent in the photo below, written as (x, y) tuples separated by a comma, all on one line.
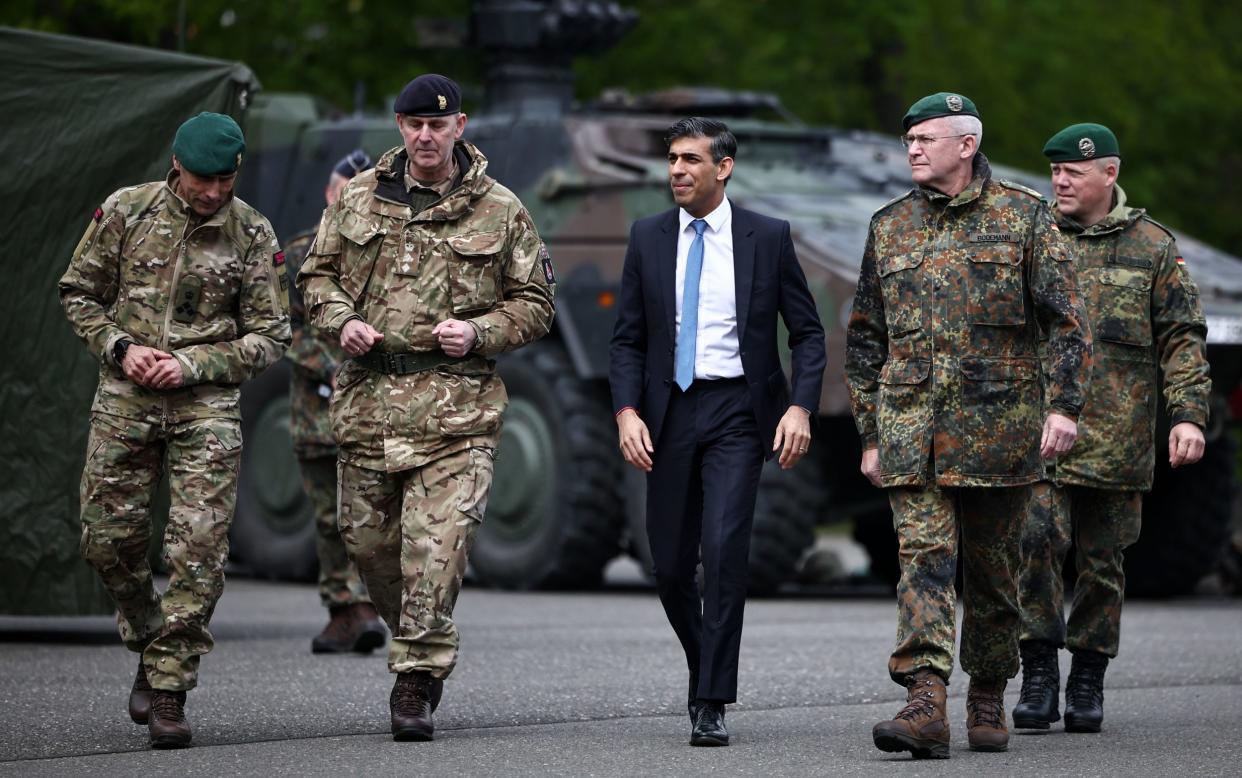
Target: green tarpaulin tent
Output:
[(82, 118)]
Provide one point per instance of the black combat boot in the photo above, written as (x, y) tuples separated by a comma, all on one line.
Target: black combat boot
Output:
[(140, 696), (414, 697), (168, 726), (1041, 687), (1084, 692)]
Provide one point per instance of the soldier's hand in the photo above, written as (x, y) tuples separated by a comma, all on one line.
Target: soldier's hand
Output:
[(635, 440), (456, 337), (1060, 432), (166, 374), (871, 466), (139, 360), (358, 337), (794, 432), (1185, 444)]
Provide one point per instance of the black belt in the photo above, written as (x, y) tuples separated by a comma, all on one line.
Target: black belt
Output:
[(406, 362)]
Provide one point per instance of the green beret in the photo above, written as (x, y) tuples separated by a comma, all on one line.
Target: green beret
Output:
[(937, 105), (1082, 141), (210, 144)]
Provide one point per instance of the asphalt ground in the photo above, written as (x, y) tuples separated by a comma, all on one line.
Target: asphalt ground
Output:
[(592, 685)]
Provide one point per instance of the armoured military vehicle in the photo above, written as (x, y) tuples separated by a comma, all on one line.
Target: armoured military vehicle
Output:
[(563, 504)]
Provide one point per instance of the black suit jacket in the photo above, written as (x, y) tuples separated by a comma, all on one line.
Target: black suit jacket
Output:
[(768, 282)]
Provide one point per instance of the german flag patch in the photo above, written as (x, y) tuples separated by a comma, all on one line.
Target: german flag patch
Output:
[(1181, 261)]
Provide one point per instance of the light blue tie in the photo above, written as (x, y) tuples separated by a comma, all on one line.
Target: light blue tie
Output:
[(690, 308)]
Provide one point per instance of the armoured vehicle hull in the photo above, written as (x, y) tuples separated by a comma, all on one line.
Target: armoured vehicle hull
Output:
[(563, 504)]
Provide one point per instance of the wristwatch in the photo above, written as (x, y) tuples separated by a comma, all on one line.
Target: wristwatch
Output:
[(118, 351)]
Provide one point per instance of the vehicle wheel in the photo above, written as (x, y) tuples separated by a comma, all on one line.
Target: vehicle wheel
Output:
[(789, 505), (1186, 519), (557, 508), (273, 529), (874, 532)]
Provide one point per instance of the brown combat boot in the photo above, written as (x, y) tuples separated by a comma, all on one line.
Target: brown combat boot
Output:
[(353, 627), (985, 716), (369, 632), (140, 696), (922, 727), (414, 697), (168, 726)]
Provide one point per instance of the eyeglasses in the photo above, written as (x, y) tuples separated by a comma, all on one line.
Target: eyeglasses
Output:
[(927, 140)]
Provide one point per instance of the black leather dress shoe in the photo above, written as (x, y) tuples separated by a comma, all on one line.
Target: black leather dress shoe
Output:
[(709, 727)]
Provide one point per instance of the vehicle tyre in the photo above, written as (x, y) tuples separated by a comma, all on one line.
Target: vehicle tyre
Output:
[(788, 506), (1186, 520), (874, 532), (556, 513), (273, 530)]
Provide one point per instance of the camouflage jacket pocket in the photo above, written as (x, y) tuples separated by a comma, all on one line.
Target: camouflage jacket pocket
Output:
[(474, 268), (359, 251), (1123, 306), (901, 283), (999, 417), (467, 405), (903, 415), (995, 286)]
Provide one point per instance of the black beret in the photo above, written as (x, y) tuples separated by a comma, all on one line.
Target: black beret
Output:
[(210, 144), (429, 95), (353, 163), (937, 105), (1082, 141)]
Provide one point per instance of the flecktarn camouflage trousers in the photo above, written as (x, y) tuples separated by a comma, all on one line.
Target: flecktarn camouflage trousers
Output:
[(929, 523), (1102, 524)]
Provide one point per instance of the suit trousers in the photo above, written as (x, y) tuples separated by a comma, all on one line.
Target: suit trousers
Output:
[(700, 505)]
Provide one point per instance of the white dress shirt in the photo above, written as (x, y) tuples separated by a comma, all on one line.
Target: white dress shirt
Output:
[(716, 353)]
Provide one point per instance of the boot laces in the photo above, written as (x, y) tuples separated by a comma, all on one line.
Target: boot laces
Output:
[(412, 697), (985, 710), (1039, 675), (922, 703), (167, 706), (1085, 686)]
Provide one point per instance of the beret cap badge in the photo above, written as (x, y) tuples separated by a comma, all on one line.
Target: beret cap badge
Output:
[(1087, 147), (442, 101), (954, 102)]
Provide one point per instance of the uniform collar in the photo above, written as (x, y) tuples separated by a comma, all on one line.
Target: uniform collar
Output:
[(1119, 218), (177, 204), (980, 174)]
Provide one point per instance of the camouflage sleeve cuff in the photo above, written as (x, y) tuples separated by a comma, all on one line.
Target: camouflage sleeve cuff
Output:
[(110, 347), (478, 336), (337, 319), (1179, 415), (1068, 411), (189, 373)]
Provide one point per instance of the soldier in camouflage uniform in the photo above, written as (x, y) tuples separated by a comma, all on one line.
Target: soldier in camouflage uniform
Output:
[(427, 269), (1144, 312), (177, 289), (353, 624), (957, 279)]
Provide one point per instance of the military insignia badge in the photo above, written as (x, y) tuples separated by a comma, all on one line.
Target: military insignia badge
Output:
[(1087, 147), (278, 258), (1181, 261), (954, 102), (442, 101), (98, 214), (546, 259)]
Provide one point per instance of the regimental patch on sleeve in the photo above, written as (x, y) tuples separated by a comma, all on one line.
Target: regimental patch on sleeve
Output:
[(546, 259), (98, 215), (1180, 261), (278, 258)]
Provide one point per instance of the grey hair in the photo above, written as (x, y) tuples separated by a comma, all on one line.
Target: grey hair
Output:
[(1103, 162), (967, 125)]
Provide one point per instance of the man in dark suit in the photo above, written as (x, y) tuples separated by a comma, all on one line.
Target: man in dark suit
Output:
[(695, 370)]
